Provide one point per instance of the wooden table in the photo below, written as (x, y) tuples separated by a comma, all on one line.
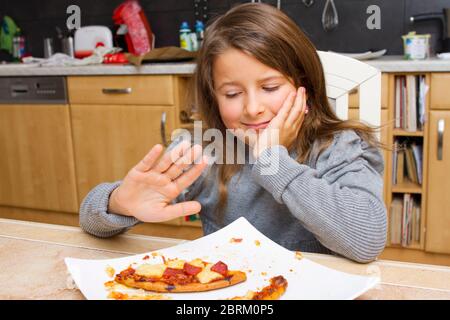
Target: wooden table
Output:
[(32, 263)]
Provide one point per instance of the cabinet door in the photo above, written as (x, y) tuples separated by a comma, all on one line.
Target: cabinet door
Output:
[(110, 139), (36, 163), (438, 202)]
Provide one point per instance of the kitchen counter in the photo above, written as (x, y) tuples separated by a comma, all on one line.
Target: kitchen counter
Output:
[(385, 64), (32, 263)]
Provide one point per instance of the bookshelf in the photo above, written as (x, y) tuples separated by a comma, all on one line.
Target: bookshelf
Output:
[(398, 190)]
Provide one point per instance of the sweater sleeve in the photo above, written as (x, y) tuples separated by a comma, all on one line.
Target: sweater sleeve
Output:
[(95, 218), (339, 201)]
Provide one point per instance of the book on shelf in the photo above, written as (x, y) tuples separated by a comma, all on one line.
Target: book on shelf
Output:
[(395, 220), (407, 162), (404, 220), (417, 151), (409, 109)]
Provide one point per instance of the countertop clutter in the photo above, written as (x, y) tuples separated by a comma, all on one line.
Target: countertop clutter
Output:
[(385, 64), (30, 249)]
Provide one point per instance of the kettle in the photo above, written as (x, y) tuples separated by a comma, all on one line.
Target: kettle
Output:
[(444, 18)]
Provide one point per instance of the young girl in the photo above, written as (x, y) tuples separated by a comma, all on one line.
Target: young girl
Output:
[(257, 70)]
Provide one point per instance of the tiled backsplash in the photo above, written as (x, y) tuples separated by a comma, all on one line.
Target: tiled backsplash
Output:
[(38, 19)]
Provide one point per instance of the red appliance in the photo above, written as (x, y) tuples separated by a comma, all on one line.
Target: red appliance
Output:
[(131, 20)]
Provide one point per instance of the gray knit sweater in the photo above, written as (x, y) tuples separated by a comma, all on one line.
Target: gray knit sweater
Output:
[(332, 204)]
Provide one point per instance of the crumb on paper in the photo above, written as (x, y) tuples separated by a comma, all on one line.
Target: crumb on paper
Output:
[(291, 270), (264, 274), (235, 240), (146, 257), (257, 243), (110, 271), (164, 259), (250, 270), (298, 255), (155, 254)]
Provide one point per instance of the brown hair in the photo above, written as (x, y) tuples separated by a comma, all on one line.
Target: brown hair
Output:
[(275, 40)]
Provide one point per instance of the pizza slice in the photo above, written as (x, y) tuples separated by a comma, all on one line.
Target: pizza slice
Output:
[(273, 291), (180, 276)]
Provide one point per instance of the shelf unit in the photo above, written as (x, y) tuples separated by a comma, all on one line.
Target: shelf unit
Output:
[(407, 186)]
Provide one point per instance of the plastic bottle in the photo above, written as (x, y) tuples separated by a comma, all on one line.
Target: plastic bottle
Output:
[(199, 30), (18, 45), (185, 38)]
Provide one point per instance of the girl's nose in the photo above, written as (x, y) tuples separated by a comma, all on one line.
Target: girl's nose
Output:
[(253, 106)]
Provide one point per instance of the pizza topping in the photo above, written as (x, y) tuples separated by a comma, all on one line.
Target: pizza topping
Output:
[(175, 263), (191, 270), (127, 272), (146, 257), (221, 268), (235, 240), (151, 270), (207, 275), (197, 263), (176, 276)]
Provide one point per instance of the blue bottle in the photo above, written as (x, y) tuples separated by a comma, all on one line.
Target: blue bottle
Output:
[(199, 31), (185, 38)]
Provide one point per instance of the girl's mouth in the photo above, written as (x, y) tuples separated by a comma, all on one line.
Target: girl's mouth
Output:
[(260, 125)]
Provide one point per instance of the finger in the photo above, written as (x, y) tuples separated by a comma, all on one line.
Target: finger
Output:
[(280, 118), (189, 176), (297, 109), (185, 208), (150, 158), (186, 160), (171, 156)]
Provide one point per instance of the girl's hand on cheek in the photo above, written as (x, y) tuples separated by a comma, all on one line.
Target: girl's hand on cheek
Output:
[(283, 129)]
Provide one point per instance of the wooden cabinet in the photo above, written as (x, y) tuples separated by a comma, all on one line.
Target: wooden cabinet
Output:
[(438, 208), (116, 120), (439, 91), (36, 166), (110, 139)]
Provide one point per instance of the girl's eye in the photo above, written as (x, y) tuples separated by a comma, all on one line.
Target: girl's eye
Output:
[(270, 89), (231, 95)]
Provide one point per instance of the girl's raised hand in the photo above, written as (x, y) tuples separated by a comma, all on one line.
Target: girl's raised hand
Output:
[(148, 189), (285, 126)]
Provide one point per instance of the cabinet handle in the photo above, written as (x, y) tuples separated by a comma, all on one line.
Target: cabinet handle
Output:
[(116, 91), (163, 129), (441, 126)]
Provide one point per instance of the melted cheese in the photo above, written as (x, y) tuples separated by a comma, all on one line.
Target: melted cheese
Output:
[(176, 264), (197, 263), (151, 270), (206, 275)]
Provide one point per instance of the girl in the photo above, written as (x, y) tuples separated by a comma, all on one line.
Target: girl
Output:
[(257, 70)]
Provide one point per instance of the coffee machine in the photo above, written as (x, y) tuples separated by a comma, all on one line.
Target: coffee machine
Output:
[(444, 18)]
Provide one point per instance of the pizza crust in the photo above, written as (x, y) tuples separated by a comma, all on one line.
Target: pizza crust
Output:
[(234, 277)]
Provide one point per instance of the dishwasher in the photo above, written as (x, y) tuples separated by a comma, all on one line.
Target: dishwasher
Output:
[(37, 163)]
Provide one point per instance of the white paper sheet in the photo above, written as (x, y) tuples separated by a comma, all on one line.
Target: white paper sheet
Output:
[(257, 255)]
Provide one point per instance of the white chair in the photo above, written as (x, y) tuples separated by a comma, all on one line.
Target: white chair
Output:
[(343, 74)]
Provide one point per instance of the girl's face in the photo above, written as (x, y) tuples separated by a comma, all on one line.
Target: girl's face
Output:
[(248, 92)]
